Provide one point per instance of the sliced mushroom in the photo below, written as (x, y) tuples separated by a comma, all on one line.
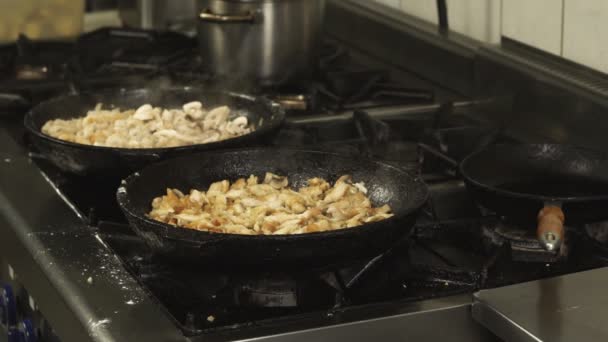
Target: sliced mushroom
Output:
[(238, 125), (194, 110), (144, 113), (149, 126), (215, 117)]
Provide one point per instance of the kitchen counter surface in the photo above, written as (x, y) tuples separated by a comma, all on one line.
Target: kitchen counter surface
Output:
[(565, 308), (65, 265)]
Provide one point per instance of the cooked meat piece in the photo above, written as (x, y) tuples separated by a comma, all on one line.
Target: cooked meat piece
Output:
[(275, 181), (219, 187), (337, 192), (361, 187), (316, 188), (261, 190), (239, 184), (270, 207), (252, 180)]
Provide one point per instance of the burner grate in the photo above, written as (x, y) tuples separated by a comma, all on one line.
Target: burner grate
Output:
[(523, 243)]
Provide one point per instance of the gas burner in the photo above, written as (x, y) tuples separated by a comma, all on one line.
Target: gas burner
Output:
[(523, 243), (361, 89), (279, 291), (338, 84), (598, 231), (212, 299), (31, 72), (130, 49), (33, 60)]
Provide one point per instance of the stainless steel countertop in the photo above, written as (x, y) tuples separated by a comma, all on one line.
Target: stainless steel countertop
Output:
[(566, 308), (64, 264), (416, 321)]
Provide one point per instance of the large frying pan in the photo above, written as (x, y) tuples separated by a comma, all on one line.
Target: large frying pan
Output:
[(81, 159), (547, 185), (386, 184)]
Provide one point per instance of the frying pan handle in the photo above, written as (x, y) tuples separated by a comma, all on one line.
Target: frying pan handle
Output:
[(550, 229)]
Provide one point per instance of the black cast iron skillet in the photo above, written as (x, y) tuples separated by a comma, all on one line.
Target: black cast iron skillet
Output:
[(82, 159), (386, 185), (544, 184)]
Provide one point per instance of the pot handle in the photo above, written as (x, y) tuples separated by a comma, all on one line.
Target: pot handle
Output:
[(207, 15), (550, 229), (297, 102)]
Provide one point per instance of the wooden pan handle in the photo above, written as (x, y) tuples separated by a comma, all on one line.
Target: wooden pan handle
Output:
[(550, 229)]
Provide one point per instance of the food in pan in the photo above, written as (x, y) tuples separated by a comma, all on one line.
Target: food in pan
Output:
[(150, 127), (247, 206)]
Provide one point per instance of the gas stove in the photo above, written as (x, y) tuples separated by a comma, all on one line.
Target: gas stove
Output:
[(115, 57), (75, 271), (456, 247)]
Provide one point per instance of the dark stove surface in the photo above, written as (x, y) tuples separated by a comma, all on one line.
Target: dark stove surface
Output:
[(449, 252), (118, 57), (455, 248)]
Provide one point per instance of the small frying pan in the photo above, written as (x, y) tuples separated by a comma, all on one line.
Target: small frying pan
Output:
[(549, 184), (264, 115), (386, 184)]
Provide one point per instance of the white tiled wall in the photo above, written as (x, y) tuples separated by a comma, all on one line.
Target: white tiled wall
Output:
[(479, 19), (537, 23), (422, 9), (586, 32), (392, 3), (574, 29)]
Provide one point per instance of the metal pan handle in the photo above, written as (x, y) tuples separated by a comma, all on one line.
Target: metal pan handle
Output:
[(550, 229), (207, 15)]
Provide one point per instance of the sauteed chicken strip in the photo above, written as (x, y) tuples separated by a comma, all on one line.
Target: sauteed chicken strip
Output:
[(247, 206), (150, 127)]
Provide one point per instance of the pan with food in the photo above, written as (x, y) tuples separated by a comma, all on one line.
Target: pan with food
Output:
[(271, 207), (115, 132), (545, 186)]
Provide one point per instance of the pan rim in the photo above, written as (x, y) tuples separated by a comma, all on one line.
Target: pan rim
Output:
[(275, 109), (122, 199), (522, 195)]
